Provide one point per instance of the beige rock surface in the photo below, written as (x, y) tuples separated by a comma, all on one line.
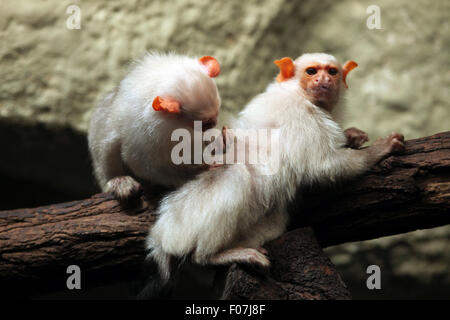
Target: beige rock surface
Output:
[(53, 76), (414, 265)]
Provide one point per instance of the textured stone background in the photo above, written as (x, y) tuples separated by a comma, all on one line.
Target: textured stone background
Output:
[(51, 77)]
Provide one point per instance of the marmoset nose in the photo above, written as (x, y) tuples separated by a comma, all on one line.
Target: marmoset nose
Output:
[(322, 79)]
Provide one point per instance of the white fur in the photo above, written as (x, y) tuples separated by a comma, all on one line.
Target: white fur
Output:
[(308, 58), (237, 206), (125, 131)]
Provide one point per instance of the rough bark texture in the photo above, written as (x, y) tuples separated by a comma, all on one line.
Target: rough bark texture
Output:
[(403, 193), (299, 271), (97, 234)]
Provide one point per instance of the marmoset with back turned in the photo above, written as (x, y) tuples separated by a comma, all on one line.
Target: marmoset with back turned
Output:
[(130, 130)]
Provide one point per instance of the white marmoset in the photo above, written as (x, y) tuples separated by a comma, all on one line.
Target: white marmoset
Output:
[(225, 215), (130, 131)]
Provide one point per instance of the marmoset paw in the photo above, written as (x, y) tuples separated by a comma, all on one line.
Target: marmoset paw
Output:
[(255, 258), (124, 188), (355, 137), (392, 144), (397, 143)]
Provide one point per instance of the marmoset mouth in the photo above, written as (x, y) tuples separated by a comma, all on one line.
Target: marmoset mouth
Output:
[(322, 89)]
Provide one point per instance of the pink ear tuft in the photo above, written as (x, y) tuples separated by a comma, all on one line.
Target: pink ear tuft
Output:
[(211, 64)]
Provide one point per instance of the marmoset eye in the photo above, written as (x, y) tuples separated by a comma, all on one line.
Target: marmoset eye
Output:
[(333, 71), (311, 71)]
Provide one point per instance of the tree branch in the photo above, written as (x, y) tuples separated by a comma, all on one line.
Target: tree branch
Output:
[(401, 194), (299, 271)]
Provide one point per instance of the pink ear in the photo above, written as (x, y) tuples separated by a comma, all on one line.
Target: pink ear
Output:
[(211, 64), (348, 66), (287, 69), (166, 104)]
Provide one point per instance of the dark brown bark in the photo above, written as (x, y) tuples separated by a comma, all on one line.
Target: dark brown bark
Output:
[(401, 194), (299, 271), (97, 234)]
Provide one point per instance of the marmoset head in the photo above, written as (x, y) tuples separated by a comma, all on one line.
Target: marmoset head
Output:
[(319, 76), (191, 92)]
